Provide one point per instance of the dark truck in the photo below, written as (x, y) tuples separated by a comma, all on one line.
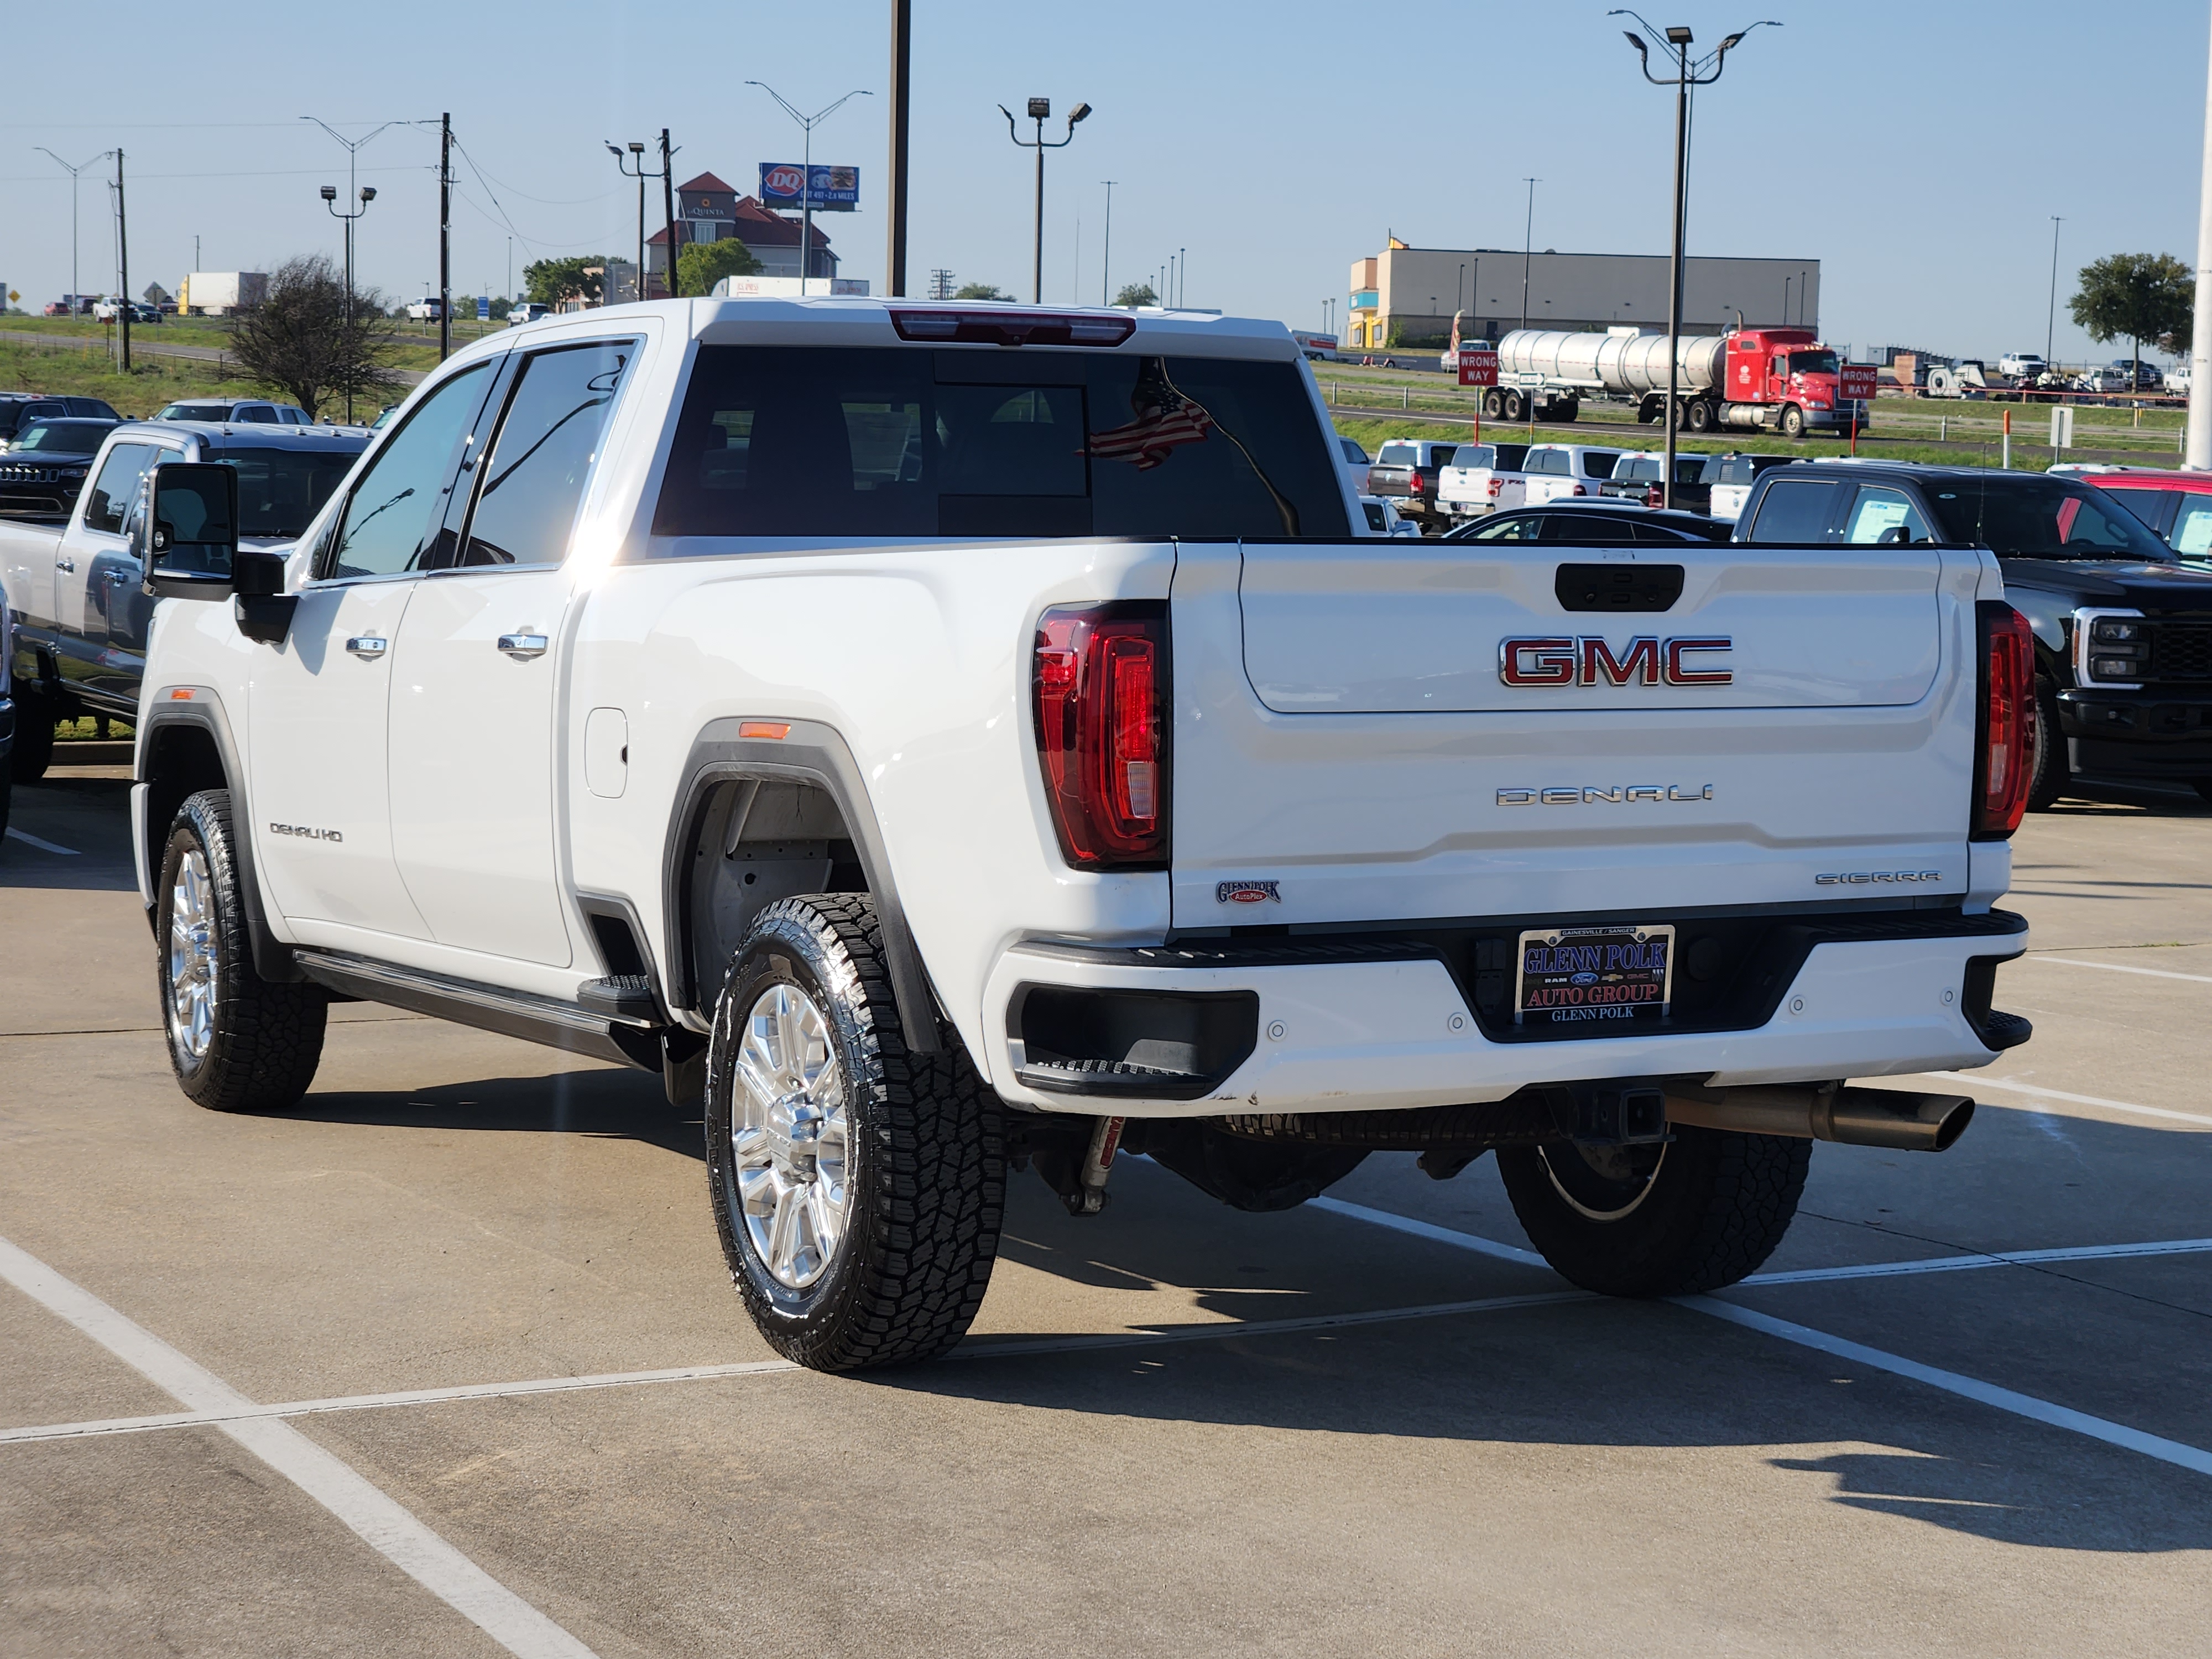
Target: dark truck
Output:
[(1640, 478), (1406, 473), (2122, 626)]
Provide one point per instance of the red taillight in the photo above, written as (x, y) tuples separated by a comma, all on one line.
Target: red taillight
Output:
[(2004, 771), (1415, 481), (1496, 488), (1579, 490), (1100, 678), (1655, 496)]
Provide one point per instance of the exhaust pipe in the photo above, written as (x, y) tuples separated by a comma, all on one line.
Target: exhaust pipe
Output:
[(1854, 1117)]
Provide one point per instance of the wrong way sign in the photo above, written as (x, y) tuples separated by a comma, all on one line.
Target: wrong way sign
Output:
[(1477, 366)]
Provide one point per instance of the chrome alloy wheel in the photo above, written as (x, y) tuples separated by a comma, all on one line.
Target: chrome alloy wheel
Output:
[(790, 1137), (193, 962)]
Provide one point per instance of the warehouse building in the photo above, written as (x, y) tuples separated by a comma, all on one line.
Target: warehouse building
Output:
[(1406, 297)]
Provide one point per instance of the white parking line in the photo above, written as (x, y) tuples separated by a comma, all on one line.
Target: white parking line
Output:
[(1988, 1393), (2116, 968), (1405, 1224), (385, 1525), (1976, 1080), (30, 840), (1952, 1264)]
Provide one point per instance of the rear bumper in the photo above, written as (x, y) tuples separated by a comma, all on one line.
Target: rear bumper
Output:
[(1391, 1035)]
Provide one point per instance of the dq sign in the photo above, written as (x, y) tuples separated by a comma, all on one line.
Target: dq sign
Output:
[(833, 190)]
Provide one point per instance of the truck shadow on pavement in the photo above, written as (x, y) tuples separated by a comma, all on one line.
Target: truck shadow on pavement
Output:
[(87, 816), (606, 1103)]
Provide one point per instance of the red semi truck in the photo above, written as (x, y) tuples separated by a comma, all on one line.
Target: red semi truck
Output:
[(1779, 378)]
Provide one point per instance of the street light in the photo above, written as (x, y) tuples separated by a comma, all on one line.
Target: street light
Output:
[(1704, 72), (366, 195), (632, 166), (1039, 111), (1528, 247), (2051, 318), (73, 171), (807, 124)]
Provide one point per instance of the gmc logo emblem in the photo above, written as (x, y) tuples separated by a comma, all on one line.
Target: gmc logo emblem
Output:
[(1646, 661)]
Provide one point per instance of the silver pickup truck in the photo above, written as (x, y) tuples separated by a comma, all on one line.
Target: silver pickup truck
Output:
[(76, 589)]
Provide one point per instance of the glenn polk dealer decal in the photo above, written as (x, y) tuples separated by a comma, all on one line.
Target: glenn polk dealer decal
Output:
[(1246, 892)]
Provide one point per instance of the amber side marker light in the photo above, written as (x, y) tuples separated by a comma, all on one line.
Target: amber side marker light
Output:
[(778, 730)]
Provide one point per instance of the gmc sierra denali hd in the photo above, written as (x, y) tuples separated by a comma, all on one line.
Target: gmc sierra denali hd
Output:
[(947, 739)]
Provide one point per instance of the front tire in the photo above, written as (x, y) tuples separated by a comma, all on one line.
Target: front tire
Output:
[(858, 1187), (237, 1043), (1793, 422), (1690, 1214)]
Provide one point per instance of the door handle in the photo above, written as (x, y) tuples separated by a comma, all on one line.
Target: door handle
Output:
[(120, 576), (68, 565), (523, 646), (368, 647)]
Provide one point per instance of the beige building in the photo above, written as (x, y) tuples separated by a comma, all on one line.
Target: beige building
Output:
[(1406, 297)]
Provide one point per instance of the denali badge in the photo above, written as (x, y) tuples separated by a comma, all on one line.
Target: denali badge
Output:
[(304, 832), (1614, 794), (1246, 892), (1868, 878), (1647, 660)]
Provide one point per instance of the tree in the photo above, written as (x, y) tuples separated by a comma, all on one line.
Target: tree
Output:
[(299, 339), (550, 282), (2136, 297), (1137, 294), (500, 308), (982, 291), (702, 264)]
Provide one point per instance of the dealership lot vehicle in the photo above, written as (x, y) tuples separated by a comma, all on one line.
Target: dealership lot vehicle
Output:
[(45, 466), (1638, 477), (1383, 518), (2123, 629), (1592, 522), (1408, 472), (762, 903), (2022, 365), (1729, 478), (2177, 506), (250, 411), (1551, 472), (75, 570), (16, 408), (1355, 463), (1482, 478)]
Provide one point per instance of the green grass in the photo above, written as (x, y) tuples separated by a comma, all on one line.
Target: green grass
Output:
[(86, 730), (152, 382)]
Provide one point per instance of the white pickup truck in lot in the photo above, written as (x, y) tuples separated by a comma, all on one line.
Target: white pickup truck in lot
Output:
[(946, 740)]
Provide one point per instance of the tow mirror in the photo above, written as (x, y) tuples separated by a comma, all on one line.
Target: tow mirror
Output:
[(189, 533)]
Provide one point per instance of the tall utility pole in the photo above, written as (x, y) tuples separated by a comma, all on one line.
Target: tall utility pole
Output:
[(902, 98), (668, 208), (355, 208), (1527, 246), (1106, 259), (2051, 317), (123, 262), (1704, 72), (807, 124), (445, 235), (1039, 111), (73, 171), (1183, 277), (2199, 446)]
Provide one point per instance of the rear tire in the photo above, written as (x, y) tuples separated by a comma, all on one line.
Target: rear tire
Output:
[(237, 1043), (34, 738), (2051, 775), (1693, 1214), (1517, 407), (858, 1187), (1565, 409), (1701, 415)]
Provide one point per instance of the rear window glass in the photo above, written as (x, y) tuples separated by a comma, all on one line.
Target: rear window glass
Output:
[(1795, 510), (1635, 469), (833, 442), (281, 491), (1547, 460), (1598, 464), (1397, 454)]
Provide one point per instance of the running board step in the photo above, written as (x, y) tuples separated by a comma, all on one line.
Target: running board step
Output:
[(621, 996)]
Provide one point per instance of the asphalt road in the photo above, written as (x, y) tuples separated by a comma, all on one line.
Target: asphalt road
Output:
[(1175, 1428)]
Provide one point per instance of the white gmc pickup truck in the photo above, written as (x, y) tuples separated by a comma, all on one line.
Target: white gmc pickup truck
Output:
[(949, 740)]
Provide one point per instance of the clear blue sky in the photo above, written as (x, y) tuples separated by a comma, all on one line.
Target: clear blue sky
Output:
[(1917, 149)]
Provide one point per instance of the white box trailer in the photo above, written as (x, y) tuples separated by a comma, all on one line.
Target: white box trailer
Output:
[(219, 292)]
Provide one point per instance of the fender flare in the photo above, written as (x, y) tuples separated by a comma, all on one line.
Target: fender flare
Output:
[(814, 753), (273, 958)]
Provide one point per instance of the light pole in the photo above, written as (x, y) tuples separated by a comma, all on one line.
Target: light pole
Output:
[(1183, 277), (365, 196), (1106, 259), (807, 124), (1039, 111), (2051, 318), (1527, 246), (1704, 72), (632, 166), (73, 171)]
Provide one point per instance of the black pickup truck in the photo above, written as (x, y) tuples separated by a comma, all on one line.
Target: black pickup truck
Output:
[(2123, 625)]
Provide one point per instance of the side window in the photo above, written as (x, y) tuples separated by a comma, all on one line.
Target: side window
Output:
[(393, 517), (1881, 514), (1510, 530), (541, 457), (2148, 505), (1795, 510), (117, 487), (1587, 530), (1376, 521), (2192, 526), (259, 414)]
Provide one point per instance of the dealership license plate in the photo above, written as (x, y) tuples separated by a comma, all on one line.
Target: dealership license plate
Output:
[(1600, 978)]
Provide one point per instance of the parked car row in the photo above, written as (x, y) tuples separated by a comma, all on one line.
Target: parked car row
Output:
[(1436, 485)]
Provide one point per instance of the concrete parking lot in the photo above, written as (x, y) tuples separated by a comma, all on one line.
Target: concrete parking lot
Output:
[(517, 1406)]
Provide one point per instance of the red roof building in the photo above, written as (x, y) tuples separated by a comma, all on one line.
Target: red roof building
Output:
[(707, 210)]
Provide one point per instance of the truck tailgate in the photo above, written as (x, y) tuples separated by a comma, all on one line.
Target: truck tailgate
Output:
[(1348, 749)]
